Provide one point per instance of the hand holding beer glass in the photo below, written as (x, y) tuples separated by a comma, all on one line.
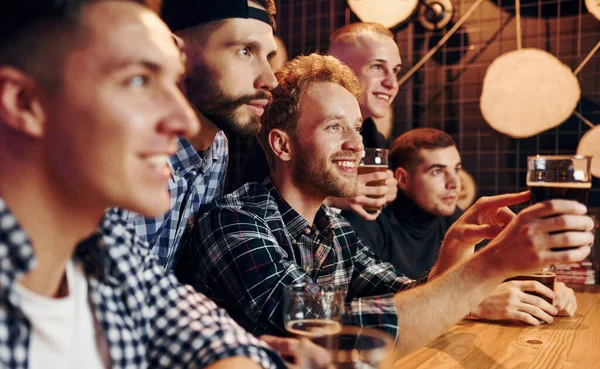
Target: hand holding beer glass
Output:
[(556, 177), (374, 160), (559, 177)]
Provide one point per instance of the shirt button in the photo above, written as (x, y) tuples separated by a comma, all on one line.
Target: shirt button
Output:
[(307, 269), (307, 230), (177, 173), (294, 242)]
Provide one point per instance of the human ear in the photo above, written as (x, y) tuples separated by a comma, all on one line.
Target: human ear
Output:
[(281, 145), (402, 176), (20, 105)]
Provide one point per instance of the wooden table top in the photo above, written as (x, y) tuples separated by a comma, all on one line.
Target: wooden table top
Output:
[(567, 343)]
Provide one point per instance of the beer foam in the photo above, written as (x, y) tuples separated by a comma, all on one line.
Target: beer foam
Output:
[(583, 185)]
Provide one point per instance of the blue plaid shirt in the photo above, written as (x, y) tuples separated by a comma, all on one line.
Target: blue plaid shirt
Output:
[(251, 243), (197, 180), (149, 320)]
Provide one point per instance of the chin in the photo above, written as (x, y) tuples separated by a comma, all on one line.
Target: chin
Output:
[(151, 206)]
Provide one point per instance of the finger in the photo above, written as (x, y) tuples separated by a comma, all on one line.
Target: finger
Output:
[(537, 287), (372, 190), (358, 209), (537, 312), (501, 201), (539, 303), (569, 239), (368, 202), (370, 177), (525, 318), (505, 216), (555, 207), (319, 356), (570, 309), (567, 222), (285, 346), (480, 232), (566, 256)]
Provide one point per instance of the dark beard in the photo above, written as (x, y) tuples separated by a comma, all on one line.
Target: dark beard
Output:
[(205, 95)]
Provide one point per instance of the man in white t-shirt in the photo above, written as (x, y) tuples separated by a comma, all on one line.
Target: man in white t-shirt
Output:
[(89, 113)]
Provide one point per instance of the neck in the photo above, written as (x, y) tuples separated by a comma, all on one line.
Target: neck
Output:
[(306, 205), (409, 212), (208, 131), (48, 214)]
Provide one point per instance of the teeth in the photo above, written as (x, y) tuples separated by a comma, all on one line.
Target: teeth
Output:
[(346, 164), (157, 159), (382, 97)]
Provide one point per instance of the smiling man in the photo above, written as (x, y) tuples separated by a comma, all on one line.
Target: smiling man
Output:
[(369, 49), (264, 236), (89, 109)]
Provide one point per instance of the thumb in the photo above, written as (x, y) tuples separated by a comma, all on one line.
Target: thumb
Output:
[(480, 232)]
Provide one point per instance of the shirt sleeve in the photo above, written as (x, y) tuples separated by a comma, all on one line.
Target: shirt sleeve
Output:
[(375, 283), (187, 330)]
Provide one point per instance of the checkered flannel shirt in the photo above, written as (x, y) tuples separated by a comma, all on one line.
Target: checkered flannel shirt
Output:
[(197, 180), (251, 243), (148, 318)]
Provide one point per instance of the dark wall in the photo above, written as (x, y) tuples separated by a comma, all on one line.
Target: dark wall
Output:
[(445, 92)]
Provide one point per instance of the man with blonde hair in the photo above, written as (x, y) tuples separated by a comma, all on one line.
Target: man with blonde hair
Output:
[(253, 242), (369, 49)]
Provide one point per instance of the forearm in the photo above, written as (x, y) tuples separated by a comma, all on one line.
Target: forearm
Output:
[(428, 311)]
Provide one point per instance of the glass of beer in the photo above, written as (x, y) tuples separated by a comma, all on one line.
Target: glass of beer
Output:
[(545, 276), (559, 177), (374, 160), (356, 348), (312, 309)]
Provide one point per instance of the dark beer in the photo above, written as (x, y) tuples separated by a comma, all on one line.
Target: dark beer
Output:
[(544, 277), (577, 191), (542, 191)]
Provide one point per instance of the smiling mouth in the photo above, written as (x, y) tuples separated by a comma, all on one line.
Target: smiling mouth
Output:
[(382, 97)]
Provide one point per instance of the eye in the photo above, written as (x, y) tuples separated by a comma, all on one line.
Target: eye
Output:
[(244, 51), (138, 81), (436, 172), (334, 127)]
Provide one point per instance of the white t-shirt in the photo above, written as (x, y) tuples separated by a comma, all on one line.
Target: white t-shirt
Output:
[(64, 332)]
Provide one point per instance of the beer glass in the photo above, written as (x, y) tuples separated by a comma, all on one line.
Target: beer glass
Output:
[(356, 348), (312, 309), (374, 160), (559, 177), (545, 276)]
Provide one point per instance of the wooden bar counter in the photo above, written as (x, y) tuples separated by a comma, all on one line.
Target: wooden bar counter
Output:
[(567, 343)]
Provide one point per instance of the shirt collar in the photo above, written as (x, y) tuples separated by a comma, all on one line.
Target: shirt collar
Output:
[(16, 253), (294, 222), (99, 253), (187, 159)]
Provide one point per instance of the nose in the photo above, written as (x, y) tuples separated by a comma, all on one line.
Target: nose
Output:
[(390, 81), (453, 181), (180, 119), (265, 80), (353, 142)]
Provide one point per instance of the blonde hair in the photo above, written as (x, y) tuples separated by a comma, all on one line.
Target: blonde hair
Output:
[(350, 33)]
